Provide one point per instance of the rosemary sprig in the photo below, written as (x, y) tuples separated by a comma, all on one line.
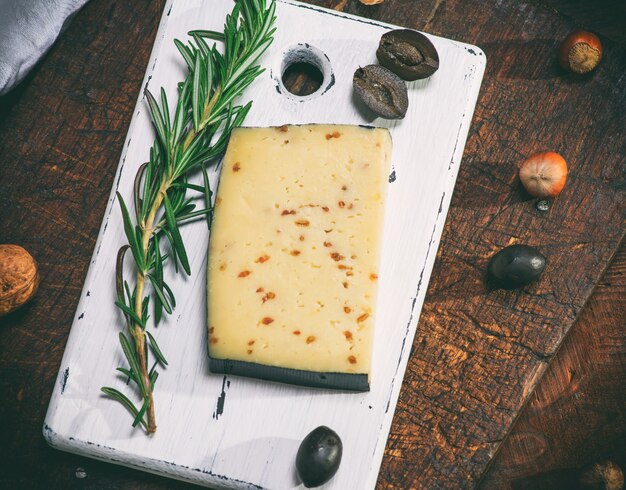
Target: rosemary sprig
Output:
[(186, 141)]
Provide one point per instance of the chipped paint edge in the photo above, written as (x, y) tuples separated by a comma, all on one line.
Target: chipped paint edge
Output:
[(108, 454)]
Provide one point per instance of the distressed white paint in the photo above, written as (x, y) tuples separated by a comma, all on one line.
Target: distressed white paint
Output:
[(253, 443)]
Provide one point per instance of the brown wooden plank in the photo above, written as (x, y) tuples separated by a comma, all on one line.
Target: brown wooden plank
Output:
[(61, 135), (477, 355), (576, 415)]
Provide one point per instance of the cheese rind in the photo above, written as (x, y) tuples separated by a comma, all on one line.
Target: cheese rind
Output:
[(314, 379), (294, 248)]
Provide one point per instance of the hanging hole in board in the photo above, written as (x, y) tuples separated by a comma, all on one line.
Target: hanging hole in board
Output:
[(302, 78), (305, 72)]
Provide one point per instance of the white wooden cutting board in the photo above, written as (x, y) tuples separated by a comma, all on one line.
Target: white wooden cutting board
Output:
[(230, 432)]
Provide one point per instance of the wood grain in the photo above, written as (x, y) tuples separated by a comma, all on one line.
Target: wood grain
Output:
[(576, 415), (60, 138), (603, 16)]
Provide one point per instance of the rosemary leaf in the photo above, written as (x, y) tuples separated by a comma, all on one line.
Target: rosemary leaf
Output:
[(153, 377), (144, 314), (186, 185), (165, 110), (207, 197), (129, 229), (186, 53), (129, 311), (159, 292), (158, 272), (173, 250), (136, 187), (184, 218), (170, 294), (197, 98), (157, 119), (157, 351), (202, 45), (119, 272), (132, 360), (141, 413), (180, 119), (119, 396), (216, 36), (177, 241), (131, 296), (128, 373)]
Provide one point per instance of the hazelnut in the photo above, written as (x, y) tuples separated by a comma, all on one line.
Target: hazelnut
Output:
[(544, 174), (580, 52), (605, 475)]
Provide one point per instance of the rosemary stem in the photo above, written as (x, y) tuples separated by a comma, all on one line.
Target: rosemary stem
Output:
[(205, 117), (138, 333), (140, 342)]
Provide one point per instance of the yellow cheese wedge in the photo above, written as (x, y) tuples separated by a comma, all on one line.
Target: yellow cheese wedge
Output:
[(294, 252)]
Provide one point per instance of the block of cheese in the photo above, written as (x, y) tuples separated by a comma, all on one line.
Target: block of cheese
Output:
[(294, 254)]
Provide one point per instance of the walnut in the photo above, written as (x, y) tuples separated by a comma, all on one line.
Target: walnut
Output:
[(19, 278)]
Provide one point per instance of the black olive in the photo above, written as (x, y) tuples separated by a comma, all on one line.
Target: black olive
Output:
[(381, 91), (319, 456), (515, 266), (409, 54)]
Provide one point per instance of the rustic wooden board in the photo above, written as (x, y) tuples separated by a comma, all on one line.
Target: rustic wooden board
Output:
[(210, 423)]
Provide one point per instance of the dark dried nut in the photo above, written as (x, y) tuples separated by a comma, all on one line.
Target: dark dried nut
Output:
[(381, 91), (515, 266), (409, 54)]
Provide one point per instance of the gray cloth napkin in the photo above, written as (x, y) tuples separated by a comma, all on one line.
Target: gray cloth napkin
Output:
[(27, 30)]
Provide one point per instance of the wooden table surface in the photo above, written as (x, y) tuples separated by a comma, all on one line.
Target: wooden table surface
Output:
[(61, 134)]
